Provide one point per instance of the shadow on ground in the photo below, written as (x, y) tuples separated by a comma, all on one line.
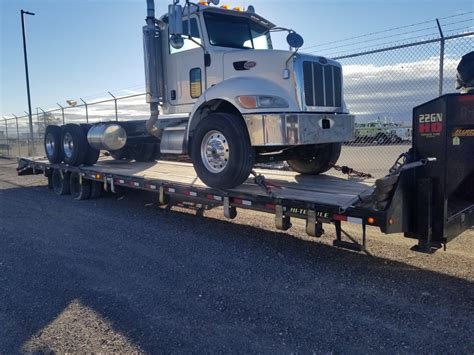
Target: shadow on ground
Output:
[(174, 282)]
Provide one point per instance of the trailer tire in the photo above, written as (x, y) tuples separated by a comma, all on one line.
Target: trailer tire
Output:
[(96, 189), (74, 144), (79, 191), (52, 144), (143, 152), (322, 158), (92, 154), (221, 151), (60, 183)]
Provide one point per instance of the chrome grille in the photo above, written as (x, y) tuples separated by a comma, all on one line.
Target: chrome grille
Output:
[(322, 84)]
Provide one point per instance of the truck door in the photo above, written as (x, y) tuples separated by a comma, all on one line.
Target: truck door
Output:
[(185, 73)]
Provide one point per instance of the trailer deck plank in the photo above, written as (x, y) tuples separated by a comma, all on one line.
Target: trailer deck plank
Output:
[(333, 190)]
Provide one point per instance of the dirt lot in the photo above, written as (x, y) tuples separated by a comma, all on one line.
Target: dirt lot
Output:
[(119, 274)]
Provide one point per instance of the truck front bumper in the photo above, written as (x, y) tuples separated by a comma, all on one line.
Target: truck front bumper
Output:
[(283, 129)]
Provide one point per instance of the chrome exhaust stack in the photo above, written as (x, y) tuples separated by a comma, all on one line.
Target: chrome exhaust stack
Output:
[(152, 46)]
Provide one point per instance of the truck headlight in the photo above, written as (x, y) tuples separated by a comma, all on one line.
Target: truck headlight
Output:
[(261, 101)]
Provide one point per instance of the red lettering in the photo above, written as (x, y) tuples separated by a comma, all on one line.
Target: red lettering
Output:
[(424, 128), (436, 127)]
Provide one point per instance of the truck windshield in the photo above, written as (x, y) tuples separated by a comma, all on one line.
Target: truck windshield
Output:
[(236, 32)]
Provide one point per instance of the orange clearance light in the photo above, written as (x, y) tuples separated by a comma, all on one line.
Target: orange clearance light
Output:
[(391, 221), (371, 220), (238, 9), (204, 3), (227, 7), (248, 101)]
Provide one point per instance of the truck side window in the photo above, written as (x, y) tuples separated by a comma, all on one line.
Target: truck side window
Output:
[(194, 34), (195, 82)]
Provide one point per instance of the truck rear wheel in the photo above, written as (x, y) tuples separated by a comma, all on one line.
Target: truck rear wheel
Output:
[(52, 144), (221, 151), (79, 191), (92, 154), (74, 144), (316, 159), (60, 182)]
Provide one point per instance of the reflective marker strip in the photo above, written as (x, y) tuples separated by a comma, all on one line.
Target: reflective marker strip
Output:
[(153, 187), (354, 220), (121, 181), (339, 217), (136, 184), (214, 197), (170, 189)]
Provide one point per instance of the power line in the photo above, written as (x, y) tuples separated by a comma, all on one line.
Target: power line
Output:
[(387, 30)]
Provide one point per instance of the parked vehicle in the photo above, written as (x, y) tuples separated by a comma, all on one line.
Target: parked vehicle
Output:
[(230, 100), (380, 132)]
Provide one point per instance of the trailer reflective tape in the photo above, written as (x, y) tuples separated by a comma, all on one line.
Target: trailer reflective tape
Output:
[(214, 197), (242, 202), (170, 189), (137, 184), (354, 220), (270, 206), (339, 217), (190, 193), (121, 181), (153, 187)]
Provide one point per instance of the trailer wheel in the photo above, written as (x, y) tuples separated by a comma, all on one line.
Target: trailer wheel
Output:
[(317, 158), (74, 144), (143, 152), (52, 144), (92, 154), (60, 183), (96, 189), (221, 151), (79, 191)]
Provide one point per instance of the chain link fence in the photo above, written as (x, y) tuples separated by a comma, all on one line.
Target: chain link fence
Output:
[(381, 86)]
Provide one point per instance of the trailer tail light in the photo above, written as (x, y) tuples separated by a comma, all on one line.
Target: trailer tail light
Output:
[(371, 220)]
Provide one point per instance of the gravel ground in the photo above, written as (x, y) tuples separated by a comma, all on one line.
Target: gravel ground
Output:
[(119, 274)]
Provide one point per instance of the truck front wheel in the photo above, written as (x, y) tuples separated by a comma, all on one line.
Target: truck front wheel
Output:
[(221, 152), (316, 159)]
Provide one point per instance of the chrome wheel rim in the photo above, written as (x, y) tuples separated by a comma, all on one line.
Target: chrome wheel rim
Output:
[(49, 144), (215, 151), (68, 145)]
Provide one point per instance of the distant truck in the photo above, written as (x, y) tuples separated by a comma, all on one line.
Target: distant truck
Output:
[(229, 98), (381, 132)]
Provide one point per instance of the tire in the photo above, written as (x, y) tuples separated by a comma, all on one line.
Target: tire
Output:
[(74, 144), (60, 184), (322, 158), (381, 139), (227, 134), (143, 152), (124, 153), (79, 191), (96, 189), (92, 154), (52, 144)]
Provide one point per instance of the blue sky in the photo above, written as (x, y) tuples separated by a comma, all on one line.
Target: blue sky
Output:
[(85, 48)]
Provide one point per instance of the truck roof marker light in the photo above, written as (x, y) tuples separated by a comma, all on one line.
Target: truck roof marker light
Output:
[(203, 3), (237, 8), (225, 7)]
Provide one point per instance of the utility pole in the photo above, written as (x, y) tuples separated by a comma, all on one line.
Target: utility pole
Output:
[(31, 148)]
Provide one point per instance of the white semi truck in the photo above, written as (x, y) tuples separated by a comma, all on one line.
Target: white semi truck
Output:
[(221, 94)]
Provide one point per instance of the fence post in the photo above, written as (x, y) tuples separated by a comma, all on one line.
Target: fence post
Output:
[(115, 101), (441, 59), (18, 136), (44, 120), (87, 110), (38, 123), (62, 110), (6, 136)]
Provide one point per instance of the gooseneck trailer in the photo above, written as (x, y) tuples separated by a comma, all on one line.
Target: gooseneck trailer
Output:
[(428, 194)]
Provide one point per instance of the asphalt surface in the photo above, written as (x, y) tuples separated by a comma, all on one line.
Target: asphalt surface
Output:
[(119, 274)]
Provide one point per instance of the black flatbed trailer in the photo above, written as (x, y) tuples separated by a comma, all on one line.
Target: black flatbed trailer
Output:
[(429, 197)]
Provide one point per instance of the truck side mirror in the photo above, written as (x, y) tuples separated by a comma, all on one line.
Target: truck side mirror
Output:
[(175, 19), (294, 40), (176, 41)]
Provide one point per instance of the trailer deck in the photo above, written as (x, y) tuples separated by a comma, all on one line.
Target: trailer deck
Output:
[(317, 199)]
